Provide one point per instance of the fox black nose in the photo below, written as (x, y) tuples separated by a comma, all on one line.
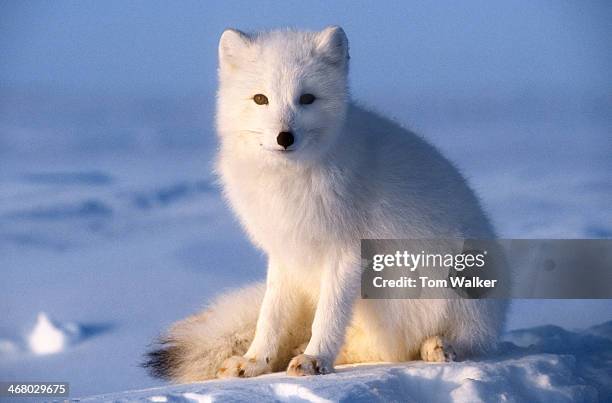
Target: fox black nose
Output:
[(285, 139)]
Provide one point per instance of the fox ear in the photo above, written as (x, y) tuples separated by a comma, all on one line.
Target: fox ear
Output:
[(332, 44), (232, 47)]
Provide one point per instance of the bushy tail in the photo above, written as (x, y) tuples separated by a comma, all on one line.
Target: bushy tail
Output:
[(194, 348)]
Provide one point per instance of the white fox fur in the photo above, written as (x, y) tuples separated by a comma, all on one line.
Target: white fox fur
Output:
[(350, 174)]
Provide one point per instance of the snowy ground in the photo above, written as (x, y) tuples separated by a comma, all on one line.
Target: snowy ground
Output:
[(553, 365), (115, 243)]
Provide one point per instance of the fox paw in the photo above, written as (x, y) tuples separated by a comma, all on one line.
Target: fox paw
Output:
[(308, 365), (435, 349), (242, 367)]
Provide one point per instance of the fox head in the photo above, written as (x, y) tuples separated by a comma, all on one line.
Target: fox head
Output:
[(282, 94)]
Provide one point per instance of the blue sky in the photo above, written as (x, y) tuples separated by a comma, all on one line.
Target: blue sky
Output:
[(446, 47)]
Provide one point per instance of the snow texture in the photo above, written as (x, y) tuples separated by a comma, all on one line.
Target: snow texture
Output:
[(553, 365), (48, 337), (122, 244)]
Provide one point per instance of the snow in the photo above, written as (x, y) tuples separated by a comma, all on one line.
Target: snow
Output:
[(7, 347), (48, 337), (125, 242), (559, 366)]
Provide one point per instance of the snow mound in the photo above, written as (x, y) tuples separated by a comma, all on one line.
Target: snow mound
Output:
[(548, 364), (8, 347), (49, 337)]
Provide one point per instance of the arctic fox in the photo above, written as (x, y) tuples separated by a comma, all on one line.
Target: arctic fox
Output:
[(309, 174)]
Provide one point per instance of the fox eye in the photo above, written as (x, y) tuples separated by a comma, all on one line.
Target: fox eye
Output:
[(307, 99), (260, 99)]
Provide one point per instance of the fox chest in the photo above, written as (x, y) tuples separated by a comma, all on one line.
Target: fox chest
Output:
[(293, 217)]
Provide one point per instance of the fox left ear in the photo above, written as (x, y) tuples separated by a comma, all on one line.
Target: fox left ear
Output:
[(332, 44)]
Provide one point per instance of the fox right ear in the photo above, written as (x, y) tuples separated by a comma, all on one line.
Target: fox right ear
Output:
[(232, 46)]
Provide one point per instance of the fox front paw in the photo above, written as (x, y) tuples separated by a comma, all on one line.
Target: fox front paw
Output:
[(435, 349), (308, 365), (243, 367)]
